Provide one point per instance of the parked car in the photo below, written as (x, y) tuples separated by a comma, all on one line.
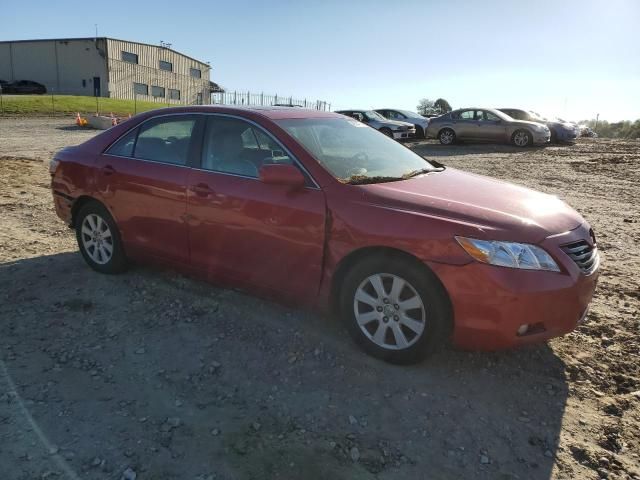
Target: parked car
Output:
[(312, 208), (488, 125), (3, 85), (421, 123), (561, 132), (391, 128), (24, 87)]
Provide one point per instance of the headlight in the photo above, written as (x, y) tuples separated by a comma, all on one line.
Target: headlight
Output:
[(508, 254)]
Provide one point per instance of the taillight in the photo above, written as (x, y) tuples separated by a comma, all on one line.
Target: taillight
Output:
[(53, 165)]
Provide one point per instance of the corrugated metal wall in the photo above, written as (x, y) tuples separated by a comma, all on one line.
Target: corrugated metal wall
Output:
[(64, 66), (122, 75)]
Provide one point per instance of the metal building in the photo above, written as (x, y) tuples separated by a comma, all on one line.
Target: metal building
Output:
[(107, 67)]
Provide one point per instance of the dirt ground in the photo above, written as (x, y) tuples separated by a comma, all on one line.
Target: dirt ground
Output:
[(152, 375)]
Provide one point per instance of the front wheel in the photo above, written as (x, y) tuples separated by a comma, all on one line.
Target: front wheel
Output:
[(395, 310), (99, 239), (522, 138), (387, 132)]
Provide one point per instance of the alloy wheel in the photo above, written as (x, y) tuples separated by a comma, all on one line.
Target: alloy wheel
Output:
[(389, 311), (446, 137), (97, 240), (521, 139)]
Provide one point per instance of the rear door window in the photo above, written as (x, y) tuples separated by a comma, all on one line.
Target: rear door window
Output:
[(466, 115), (165, 140), (124, 146)]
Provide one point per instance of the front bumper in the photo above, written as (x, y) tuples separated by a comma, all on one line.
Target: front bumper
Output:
[(540, 138), (411, 133), (490, 303), (567, 136)]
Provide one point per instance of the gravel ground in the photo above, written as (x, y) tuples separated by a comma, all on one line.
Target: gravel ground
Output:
[(151, 375)]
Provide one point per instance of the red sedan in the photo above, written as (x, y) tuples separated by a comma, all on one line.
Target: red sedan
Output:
[(317, 209)]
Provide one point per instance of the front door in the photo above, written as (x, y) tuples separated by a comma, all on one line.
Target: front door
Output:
[(490, 126), (142, 178), (257, 236)]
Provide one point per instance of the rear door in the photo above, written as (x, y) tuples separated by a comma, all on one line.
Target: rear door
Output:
[(465, 125), (257, 236), (142, 178)]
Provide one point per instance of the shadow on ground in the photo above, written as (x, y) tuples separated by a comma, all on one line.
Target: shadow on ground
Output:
[(177, 379), (435, 150)]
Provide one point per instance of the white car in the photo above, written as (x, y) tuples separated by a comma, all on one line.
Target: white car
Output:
[(421, 123)]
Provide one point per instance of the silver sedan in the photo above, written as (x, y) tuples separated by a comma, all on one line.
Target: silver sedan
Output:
[(488, 125)]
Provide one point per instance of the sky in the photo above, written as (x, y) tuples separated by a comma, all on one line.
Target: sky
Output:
[(573, 59)]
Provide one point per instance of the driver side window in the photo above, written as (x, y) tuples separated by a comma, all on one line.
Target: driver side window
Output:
[(236, 147)]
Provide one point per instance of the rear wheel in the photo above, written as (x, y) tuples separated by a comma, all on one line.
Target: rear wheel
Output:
[(394, 309), (522, 138), (99, 239), (447, 136)]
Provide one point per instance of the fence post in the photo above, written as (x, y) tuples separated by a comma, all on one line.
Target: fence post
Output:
[(53, 105), (276, 101), (261, 98)]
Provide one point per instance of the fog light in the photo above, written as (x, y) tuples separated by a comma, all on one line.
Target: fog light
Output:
[(522, 329)]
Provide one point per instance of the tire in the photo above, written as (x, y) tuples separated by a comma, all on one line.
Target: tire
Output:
[(393, 340), (522, 138), (554, 137), (387, 132), (421, 132), (96, 232), (447, 136)]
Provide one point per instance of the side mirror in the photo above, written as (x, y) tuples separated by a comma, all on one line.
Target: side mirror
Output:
[(281, 174)]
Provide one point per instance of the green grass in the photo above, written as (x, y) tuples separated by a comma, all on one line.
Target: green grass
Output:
[(68, 104)]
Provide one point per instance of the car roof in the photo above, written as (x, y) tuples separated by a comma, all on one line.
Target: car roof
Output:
[(271, 112)]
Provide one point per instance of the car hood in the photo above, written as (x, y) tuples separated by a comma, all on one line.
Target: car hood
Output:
[(396, 123), (527, 123), (489, 208)]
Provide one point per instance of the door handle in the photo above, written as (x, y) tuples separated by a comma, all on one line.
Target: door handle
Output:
[(108, 170), (202, 190)]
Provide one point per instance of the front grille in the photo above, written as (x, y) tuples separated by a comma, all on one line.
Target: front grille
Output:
[(585, 255)]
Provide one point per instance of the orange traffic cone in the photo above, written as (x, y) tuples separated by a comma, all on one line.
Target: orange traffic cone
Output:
[(114, 120), (78, 119)]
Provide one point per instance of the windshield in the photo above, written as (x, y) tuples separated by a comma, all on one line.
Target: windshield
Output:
[(371, 115), (353, 152)]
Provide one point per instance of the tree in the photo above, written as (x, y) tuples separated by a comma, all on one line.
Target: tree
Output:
[(442, 106), (425, 106)]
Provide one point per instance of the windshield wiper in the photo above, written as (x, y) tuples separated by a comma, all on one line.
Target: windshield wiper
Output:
[(364, 180), (422, 171)]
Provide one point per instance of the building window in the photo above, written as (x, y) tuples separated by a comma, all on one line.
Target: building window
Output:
[(157, 91), (168, 66), (84, 83), (196, 73), (129, 57), (140, 89), (174, 94)]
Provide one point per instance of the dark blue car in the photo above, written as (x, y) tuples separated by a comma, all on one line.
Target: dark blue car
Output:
[(561, 132)]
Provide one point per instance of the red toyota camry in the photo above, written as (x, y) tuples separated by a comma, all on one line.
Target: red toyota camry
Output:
[(315, 208)]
